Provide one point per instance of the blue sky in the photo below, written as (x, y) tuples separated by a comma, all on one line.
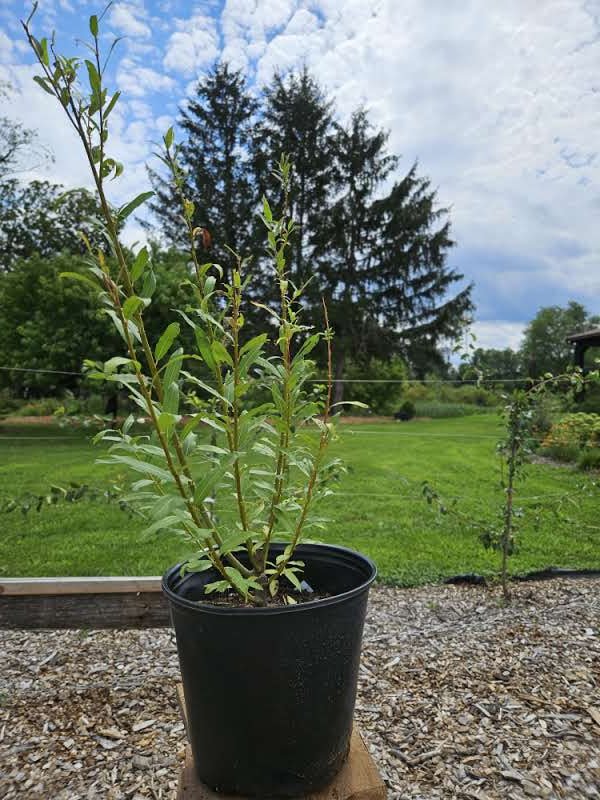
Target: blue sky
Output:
[(499, 102)]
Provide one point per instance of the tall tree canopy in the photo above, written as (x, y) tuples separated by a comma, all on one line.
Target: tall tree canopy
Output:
[(37, 216), (215, 154), (494, 365), (41, 217), (297, 121), (545, 347), (375, 248), (53, 323), (382, 252)]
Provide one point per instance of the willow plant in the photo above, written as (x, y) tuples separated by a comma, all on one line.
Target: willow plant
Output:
[(261, 479)]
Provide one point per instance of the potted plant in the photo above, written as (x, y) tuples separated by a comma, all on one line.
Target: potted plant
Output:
[(268, 625)]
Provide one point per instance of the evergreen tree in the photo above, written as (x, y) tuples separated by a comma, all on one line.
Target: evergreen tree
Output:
[(215, 156), (297, 121), (382, 255), (378, 254)]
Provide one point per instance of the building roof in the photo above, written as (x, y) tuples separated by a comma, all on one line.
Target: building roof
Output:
[(593, 335)]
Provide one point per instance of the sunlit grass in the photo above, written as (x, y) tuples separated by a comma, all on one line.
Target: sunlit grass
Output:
[(378, 508)]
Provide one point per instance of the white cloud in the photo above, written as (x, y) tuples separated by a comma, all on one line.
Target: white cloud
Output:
[(126, 19), (138, 81), (254, 20), (498, 334), (499, 104), (6, 47), (163, 123), (193, 46)]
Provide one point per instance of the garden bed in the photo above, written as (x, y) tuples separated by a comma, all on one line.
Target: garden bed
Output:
[(459, 697)]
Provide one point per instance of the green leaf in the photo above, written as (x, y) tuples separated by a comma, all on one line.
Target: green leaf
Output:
[(217, 586), (211, 390), (211, 423), (355, 403), (139, 264), (94, 25), (171, 398), (195, 565), (207, 486), (212, 448), (112, 103), (289, 574), (129, 208), (189, 443), (161, 524), (139, 466), (169, 137), (166, 340), (243, 585), (173, 367), (232, 541), (309, 344), (220, 353), (254, 344), (131, 306), (93, 77), (267, 213), (149, 284), (117, 361), (77, 276), (204, 347), (44, 53), (131, 326), (43, 83), (167, 421)]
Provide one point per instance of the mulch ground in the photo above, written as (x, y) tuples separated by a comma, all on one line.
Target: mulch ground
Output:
[(459, 698)]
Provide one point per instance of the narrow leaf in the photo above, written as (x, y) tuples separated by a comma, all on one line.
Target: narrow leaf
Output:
[(112, 103), (43, 83), (139, 264), (77, 276), (220, 353), (129, 208), (131, 306), (166, 340)]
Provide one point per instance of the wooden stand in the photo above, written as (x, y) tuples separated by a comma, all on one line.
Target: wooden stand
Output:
[(357, 780)]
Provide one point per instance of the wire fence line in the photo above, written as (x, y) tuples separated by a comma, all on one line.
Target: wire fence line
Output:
[(472, 381), (396, 433)]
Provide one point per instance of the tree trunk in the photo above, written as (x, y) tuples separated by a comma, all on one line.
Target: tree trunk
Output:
[(338, 388)]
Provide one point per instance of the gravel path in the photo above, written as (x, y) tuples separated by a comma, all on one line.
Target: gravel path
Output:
[(459, 698)]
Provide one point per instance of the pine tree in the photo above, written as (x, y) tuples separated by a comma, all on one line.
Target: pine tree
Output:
[(215, 156), (297, 121), (382, 256)]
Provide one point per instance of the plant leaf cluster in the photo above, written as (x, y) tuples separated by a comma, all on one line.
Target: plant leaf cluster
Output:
[(266, 469)]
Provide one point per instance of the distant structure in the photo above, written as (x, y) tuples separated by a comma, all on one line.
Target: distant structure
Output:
[(583, 341)]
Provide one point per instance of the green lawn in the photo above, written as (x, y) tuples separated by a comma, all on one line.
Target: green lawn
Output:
[(377, 510)]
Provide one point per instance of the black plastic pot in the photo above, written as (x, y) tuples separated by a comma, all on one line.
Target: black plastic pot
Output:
[(270, 691)]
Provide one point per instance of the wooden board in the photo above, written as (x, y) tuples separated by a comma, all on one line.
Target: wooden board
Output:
[(357, 780), (84, 585), (114, 602)]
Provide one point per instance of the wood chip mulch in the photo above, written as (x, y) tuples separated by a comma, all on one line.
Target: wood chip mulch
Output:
[(459, 698)]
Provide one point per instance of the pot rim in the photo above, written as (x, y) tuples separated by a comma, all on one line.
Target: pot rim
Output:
[(334, 550)]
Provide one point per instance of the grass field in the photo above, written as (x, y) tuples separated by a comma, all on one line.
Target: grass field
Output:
[(378, 508)]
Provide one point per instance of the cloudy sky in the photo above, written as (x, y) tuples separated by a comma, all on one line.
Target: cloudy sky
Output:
[(498, 100)]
